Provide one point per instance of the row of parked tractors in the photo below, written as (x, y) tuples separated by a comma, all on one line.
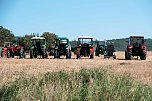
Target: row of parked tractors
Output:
[(84, 48)]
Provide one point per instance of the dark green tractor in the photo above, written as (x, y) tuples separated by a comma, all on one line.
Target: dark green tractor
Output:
[(38, 47), (62, 47), (100, 48)]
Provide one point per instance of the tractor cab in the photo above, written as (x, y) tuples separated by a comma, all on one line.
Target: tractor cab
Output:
[(38, 42), (85, 47), (62, 47), (100, 48), (109, 50), (38, 47), (136, 47)]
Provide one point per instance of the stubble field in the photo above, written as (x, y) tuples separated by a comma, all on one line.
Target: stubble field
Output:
[(140, 70)]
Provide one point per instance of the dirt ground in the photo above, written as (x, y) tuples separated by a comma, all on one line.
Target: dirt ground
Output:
[(12, 68)]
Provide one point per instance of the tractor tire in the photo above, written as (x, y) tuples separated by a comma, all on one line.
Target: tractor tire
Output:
[(56, 54), (45, 55), (8, 54), (21, 54), (143, 56), (127, 56), (35, 54), (114, 57), (2, 54), (12, 55), (96, 54), (78, 56), (91, 56), (31, 54), (68, 55)]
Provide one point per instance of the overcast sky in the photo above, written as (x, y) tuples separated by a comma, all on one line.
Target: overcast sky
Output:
[(102, 19)]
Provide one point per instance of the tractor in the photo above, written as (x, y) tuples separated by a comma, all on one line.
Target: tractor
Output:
[(62, 47), (85, 47), (13, 48), (109, 50), (136, 47), (38, 47), (100, 48)]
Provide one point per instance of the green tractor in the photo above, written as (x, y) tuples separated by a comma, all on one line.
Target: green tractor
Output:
[(62, 47), (100, 48), (38, 47)]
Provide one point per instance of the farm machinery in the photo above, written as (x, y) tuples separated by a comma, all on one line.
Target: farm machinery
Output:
[(13, 48), (38, 47), (100, 48), (109, 50), (62, 47), (136, 47), (85, 47)]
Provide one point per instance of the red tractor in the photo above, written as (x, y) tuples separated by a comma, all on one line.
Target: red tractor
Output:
[(13, 48), (136, 47), (85, 47)]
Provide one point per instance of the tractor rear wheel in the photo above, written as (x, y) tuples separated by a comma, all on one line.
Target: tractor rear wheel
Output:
[(8, 54), (68, 55), (31, 54), (143, 56), (91, 56), (127, 56), (2, 54), (96, 54), (56, 54), (45, 55), (78, 56), (21, 55), (35, 54), (114, 57)]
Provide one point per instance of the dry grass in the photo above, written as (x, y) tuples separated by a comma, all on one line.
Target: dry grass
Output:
[(13, 68)]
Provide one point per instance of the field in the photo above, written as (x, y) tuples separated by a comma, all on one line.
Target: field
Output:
[(139, 70), (76, 80)]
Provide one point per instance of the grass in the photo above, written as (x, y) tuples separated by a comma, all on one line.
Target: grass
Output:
[(85, 85)]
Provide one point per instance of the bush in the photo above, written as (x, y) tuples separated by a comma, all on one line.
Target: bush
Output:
[(85, 85)]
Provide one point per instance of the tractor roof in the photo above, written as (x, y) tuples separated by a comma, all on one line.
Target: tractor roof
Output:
[(37, 38), (136, 36), (62, 38), (85, 37)]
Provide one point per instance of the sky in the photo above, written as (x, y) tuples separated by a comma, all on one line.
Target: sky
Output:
[(102, 19)]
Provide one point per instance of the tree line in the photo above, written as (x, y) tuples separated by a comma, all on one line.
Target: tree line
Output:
[(6, 36)]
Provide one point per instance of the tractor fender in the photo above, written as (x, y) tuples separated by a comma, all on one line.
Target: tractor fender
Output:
[(5, 51), (78, 51), (91, 50)]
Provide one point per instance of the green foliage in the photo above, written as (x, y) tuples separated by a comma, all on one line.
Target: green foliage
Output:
[(5, 35), (26, 42), (85, 85), (50, 38)]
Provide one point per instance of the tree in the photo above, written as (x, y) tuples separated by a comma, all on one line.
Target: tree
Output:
[(50, 39), (5, 35), (26, 41)]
